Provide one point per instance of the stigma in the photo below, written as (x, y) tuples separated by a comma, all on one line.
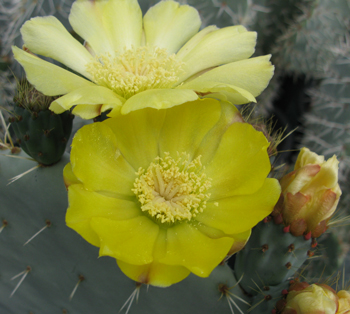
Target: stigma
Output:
[(136, 70), (171, 190)]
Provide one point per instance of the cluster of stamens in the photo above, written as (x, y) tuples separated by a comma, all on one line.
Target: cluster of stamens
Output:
[(136, 70), (172, 190)]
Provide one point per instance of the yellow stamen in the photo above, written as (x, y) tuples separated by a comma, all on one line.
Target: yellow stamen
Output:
[(172, 190), (136, 70)]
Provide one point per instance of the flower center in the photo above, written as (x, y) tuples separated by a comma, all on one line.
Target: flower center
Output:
[(172, 190), (136, 70)]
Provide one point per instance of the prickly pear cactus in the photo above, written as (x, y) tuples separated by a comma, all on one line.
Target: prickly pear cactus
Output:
[(271, 256), (42, 134), (46, 266)]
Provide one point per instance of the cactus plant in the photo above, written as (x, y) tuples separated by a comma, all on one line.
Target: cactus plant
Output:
[(40, 133), (43, 260), (47, 266)]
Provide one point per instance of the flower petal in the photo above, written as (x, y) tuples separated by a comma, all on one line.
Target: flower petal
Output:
[(108, 25), (233, 94), (137, 135), (84, 205), (69, 177), (98, 163), (92, 96), (241, 162), (252, 75), (194, 41), (131, 240), (48, 78), (158, 99), (87, 111), (169, 25), (155, 274), (86, 18), (240, 240), (47, 36), (218, 47), (190, 248), (240, 213), (209, 146), (185, 126)]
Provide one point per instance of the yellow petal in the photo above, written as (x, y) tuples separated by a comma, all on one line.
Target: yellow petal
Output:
[(131, 240), (233, 94), (47, 36), (108, 25), (115, 112), (194, 41), (190, 248), (48, 78), (93, 96), (328, 175), (169, 25), (218, 47), (155, 274), (185, 126), (306, 157), (158, 99), (137, 135), (84, 205), (86, 18), (98, 163), (240, 213), (69, 177), (241, 162), (240, 240), (84, 111), (252, 75), (208, 148), (124, 19)]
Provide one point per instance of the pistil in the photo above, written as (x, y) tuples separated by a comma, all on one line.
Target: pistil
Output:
[(173, 190), (136, 70)]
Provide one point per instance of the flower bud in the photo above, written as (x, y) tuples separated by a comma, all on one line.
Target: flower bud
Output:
[(344, 302), (313, 299), (310, 194)]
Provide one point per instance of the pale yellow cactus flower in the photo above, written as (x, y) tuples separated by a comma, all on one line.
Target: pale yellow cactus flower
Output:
[(169, 192), (128, 62)]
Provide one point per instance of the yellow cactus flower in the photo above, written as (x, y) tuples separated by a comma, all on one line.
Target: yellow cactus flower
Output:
[(310, 194), (314, 299), (128, 62), (169, 192)]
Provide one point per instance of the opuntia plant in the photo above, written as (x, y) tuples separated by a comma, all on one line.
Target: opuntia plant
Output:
[(170, 192)]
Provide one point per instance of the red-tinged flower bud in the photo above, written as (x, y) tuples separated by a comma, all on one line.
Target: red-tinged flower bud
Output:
[(298, 286), (311, 299), (344, 302), (310, 194)]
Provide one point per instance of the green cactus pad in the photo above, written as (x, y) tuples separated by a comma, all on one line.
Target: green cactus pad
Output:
[(43, 135), (270, 257), (265, 301)]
